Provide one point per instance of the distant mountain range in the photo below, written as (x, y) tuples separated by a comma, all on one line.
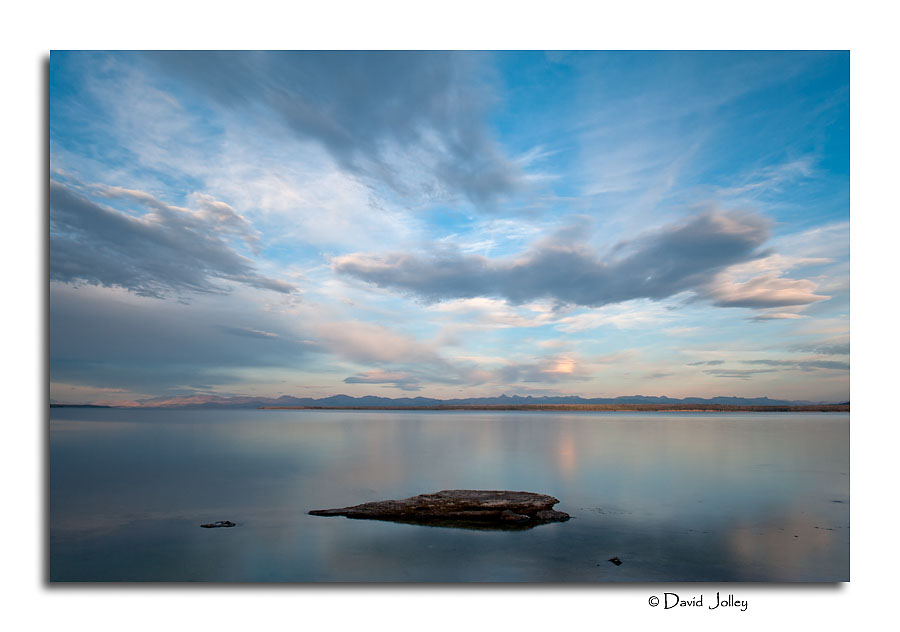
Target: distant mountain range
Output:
[(370, 401)]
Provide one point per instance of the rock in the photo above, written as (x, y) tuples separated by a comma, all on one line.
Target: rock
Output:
[(220, 523), (615, 560), (476, 509)]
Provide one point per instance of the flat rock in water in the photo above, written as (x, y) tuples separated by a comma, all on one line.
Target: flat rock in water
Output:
[(467, 508)]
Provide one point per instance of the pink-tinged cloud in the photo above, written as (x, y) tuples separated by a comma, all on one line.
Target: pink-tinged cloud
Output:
[(768, 290)]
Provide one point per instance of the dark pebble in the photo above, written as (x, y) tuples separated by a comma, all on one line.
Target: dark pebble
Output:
[(220, 523)]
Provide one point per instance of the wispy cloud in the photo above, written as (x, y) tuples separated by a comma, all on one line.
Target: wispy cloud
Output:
[(373, 344), (635, 314), (402, 381), (770, 178), (742, 374), (399, 119), (250, 333), (826, 348), (804, 365)]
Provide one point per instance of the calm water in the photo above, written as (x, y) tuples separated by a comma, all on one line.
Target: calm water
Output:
[(676, 496)]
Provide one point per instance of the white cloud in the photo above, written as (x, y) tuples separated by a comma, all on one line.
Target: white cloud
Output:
[(490, 312), (629, 315), (299, 196)]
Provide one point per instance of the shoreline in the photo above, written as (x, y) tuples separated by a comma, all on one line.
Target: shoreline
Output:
[(687, 408)]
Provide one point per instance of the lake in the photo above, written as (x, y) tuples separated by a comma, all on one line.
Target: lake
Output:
[(676, 496)]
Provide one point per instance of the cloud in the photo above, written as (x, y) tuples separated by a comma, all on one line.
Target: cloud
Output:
[(407, 363), (795, 365), (764, 291), (403, 119), (771, 177), (208, 214), (742, 374), (114, 339), (831, 241), (804, 365), (166, 250), (490, 313), (549, 370), (680, 331), (639, 314), (402, 381), (772, 366), (777, 316), (249, 333), (679, 257), (760, 284), (826, 348), (372, 344)]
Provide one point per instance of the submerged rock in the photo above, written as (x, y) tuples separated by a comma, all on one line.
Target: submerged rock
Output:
[(220, 523), (615, 560), (467, 508)]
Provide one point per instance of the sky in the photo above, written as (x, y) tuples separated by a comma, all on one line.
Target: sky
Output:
[(449, 224)]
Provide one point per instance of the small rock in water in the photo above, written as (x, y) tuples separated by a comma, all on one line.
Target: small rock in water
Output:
[(220, 523), (615, 560)]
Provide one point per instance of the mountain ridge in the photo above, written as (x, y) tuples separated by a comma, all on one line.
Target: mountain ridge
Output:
[(373, 401)]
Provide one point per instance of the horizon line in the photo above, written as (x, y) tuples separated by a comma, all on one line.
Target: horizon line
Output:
[(213, 398)]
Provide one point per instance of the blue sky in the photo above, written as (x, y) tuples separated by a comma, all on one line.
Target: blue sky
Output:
[(449, 224)]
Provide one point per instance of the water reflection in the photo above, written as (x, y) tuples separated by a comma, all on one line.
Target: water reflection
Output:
[(456, 523), (675, 496)]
